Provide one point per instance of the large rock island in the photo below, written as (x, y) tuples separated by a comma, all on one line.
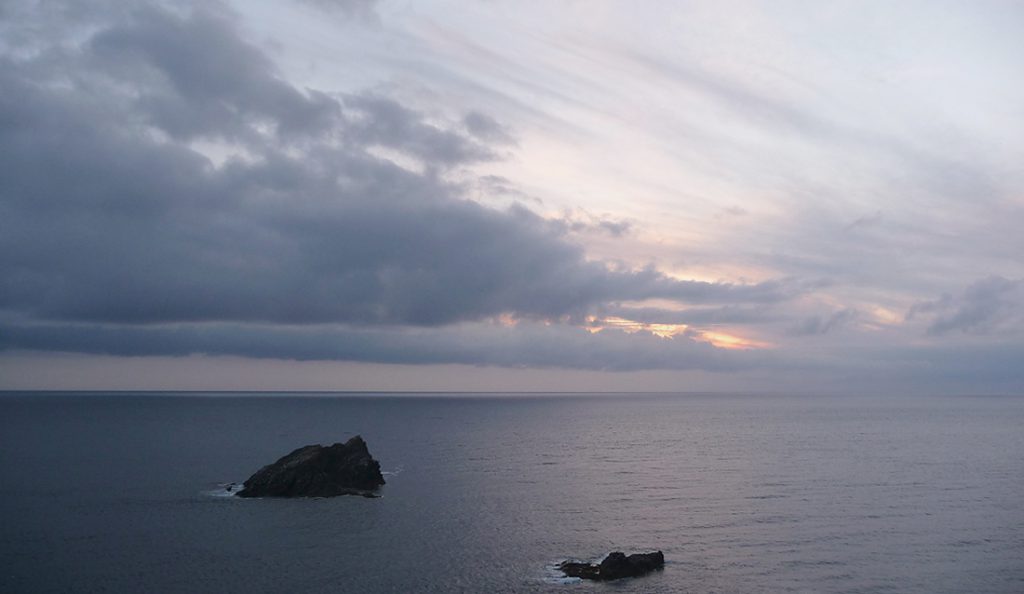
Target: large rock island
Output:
[(318, 471), (615, 566)]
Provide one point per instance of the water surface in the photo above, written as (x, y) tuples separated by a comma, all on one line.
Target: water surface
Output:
[(743, 493)]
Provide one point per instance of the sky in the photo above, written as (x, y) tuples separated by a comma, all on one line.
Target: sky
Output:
[(512, 196)]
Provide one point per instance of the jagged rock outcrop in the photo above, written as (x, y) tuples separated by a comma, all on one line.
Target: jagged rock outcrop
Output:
[(318, 471), (615, 566)]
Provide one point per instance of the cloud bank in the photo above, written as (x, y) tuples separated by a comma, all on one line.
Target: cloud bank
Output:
[(339, 180), (161, 170)]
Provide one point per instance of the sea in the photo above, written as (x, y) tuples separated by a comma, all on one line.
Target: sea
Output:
[(126, 492)]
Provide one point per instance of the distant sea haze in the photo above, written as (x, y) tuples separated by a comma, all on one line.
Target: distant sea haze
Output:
[(743, 493)]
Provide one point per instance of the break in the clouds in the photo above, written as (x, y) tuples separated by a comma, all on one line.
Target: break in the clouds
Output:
[(368, 182)]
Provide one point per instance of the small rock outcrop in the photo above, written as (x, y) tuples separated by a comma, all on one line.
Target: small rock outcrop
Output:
[(615, 566), (318, 471)]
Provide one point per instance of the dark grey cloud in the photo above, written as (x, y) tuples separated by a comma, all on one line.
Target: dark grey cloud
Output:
[(110, 215), (491, 186), (487, 128), (988, 305), (527, 345), (615, 228), (973, 367), (383, 121), (817, 325), (928, 307), (196, 78)]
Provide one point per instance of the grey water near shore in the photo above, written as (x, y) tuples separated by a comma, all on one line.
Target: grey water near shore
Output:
[(743, 493)]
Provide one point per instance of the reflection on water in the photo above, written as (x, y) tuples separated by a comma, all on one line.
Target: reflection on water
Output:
[(742, 493)]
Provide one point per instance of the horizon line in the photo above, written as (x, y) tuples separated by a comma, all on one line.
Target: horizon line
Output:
[(265, 392)]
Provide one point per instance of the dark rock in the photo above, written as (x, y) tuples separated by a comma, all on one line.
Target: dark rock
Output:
[(616, 565), (576, 569), (318, 471)]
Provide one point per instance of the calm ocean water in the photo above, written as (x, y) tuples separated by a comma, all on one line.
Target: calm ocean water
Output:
[(755, 493)]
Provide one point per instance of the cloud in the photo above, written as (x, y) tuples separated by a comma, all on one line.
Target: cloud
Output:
[(732, 212), (729, 314), (196, 78), (817, 325), (487, 128), (581, 221), (363, 9), (496, 186), (385, 122), (615, 228), (163, 171), (866, 221), (989, 305), (524, 345)]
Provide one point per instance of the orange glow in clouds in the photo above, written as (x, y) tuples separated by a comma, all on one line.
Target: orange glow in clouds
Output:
[(718, 339), (731, 341), (662, 330)]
